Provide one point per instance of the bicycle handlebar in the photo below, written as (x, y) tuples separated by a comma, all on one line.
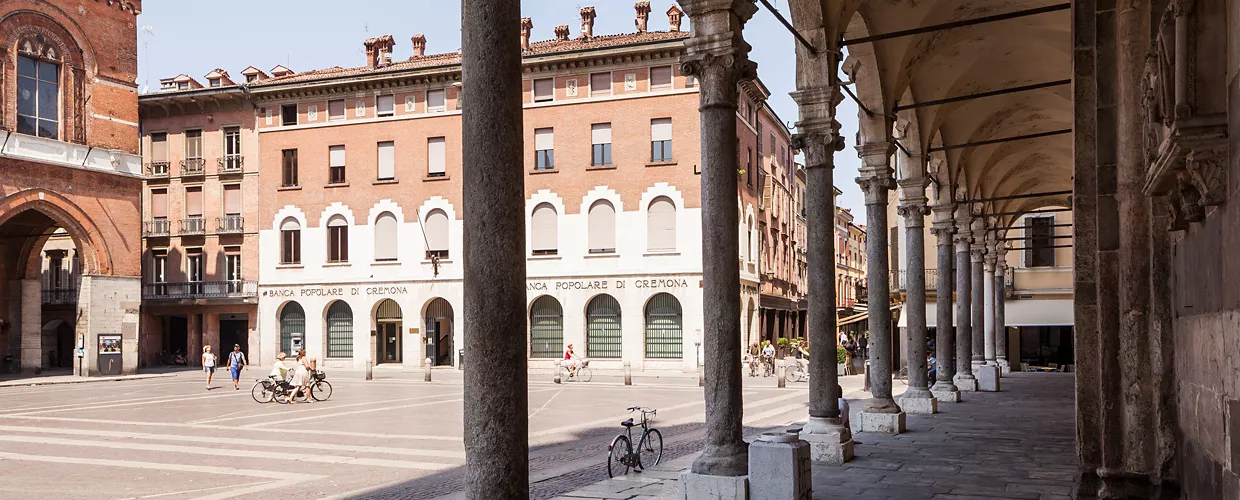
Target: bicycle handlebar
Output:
[(643, 410)]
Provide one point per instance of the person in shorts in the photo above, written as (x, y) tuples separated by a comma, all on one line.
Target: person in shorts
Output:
[(236, 363), (208, 363)]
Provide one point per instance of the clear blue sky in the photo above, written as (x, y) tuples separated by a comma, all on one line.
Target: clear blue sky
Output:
[(196, 37)]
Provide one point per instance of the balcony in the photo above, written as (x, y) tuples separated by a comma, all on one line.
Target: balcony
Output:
[(899, 280), (60, 296), (200, 290), (157, 227), (193, 225), (231, 164), (157, 169), (231, 224), (193, 166)]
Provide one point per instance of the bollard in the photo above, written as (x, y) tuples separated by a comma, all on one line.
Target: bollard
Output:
[(779, 467), (628, 373), (866, 383), (559, 367), (701, 376), (427, 376), (779, 373), (370, 370)]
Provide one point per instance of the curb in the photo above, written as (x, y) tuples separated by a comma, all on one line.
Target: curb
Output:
[(82, 380)]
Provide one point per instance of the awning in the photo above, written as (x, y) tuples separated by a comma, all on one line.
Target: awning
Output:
[(777, 302), (1030, 312), (865, 315)]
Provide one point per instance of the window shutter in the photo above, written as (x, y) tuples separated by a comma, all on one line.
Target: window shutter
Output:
[(600, 84), (159, 204), (602, 229), (435, 155), (336, 156), (335, 109), (387, 160), (437, 230), (385, 237), (543, 224), (600, 133), (232, 199), (544, 138), (193, 201), (544, 89), (661, 78), (1028, 241), (387, 105), (159, 147), (661, 129), (435, 100), (661, 225)]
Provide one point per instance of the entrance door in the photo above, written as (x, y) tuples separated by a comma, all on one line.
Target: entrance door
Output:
[(439, 332), (389, 343), (234, 331)]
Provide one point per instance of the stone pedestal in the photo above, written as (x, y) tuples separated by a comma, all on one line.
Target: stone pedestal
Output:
[(779, 467), (703, 487), (829, 441), (966, 384), (882, 423), (1004, 366), (988, 378), (919, 405), (944, 396)]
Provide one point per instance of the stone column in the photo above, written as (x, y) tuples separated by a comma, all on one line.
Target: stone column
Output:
[(496, 400), (917, 398), (881, 413), (1001, 332), (32, 327), (717, 55), (988, 303), (193, 330), (964, 378), (818, 139), (977, 253), (944, 388)]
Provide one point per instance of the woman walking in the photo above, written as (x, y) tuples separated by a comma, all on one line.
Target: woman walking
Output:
[(208, 364), (301, 378)]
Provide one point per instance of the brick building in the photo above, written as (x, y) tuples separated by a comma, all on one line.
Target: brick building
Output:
[(780, 222), (69, 121)]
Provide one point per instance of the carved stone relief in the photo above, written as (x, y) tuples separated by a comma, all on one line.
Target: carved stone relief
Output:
[(1207, 171)]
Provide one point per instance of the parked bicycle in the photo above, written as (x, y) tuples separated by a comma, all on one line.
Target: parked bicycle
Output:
[(270, 389), (621, 455), (584, 373)]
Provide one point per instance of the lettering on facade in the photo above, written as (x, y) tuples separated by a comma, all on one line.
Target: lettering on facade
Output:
[(542, 286), (338, 291)]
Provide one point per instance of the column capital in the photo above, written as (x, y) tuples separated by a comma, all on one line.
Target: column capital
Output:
[(717, 53), (963, 241), (1181, 8), (977, 252), (875, 187), (914, 213), (819, 144), (989, 261), (944, 233)]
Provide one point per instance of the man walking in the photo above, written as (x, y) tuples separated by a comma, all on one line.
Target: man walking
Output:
[(236, 363)]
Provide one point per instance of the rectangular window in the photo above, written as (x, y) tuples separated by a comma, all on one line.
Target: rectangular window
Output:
[(544, 149), (600, 84), (291, 245), (386, 105), (338, 243), (288, 114), (335, 165), (387, 160), (38, 98), (290, 167), (335, 110), (544, 89), (661, 78), (193, 144), (661, 140), (435, 101), (193, 270), (159, 204), (435, 157), (772, 144), (600, 138), (159, 154), (232, 149), (214, 82), (1041, 234), (232, 269), (232, 199), (193, 202), (159, 266), (748, 166)]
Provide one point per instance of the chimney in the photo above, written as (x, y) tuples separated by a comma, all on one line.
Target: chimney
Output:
[(561, 33), (379, 51), (587, 22), (673, 18), (643, 15), (419, 45), (527, 24)]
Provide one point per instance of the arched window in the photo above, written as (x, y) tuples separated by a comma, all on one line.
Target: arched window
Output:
[(292, 326), (38, 97), (339, 330), (543, 230), (661, 225), (290, 241), (437, 234), (385, 236), (602, 227), (337, 239), (751, 250), (546, 328), (603, 327), (664, 335)]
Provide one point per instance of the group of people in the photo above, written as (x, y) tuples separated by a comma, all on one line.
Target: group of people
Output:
[(236, 364), (853, 349), (301, 370)]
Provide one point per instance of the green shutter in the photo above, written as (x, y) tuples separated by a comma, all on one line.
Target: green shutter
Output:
[(603, 337), (339, 330), (664, 332), (546, 328), (292, 321)]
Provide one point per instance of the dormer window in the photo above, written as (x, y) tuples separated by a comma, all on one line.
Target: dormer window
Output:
[(251, 78), (214, 82), (183, 86), (38, 97)]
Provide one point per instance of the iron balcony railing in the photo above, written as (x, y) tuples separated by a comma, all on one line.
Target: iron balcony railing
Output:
[(157, 169), (193, 225), (157, 227), (201, 290), (60, 295), (230, 164), (899, 280), (193, 166), (231, 224)]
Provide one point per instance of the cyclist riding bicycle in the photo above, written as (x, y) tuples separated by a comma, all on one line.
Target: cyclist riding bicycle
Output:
[(768, 355), (573, 361)]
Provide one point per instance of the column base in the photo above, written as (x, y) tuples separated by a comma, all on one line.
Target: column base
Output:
[(829, 441), (883, 423), (988, 378), (919, 405), (1004, 367), (946, 396), (965, 383), (977, 363), (701, 486)]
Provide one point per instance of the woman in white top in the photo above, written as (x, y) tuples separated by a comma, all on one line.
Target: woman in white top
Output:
[(301, 377), (208, 364)]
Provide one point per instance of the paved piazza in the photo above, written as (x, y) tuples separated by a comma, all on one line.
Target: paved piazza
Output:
[(395, 437)]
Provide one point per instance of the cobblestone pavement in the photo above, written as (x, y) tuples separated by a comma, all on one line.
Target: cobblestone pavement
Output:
[(393, 437)]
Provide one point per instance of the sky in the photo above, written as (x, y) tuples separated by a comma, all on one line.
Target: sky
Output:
[(194, 38)]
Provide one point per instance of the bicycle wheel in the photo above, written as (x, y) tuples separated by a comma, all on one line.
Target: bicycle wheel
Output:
[(793, 374), (617, 456), (321, 390), (263, 391), (584, 374), (650, 448), (282, 395)]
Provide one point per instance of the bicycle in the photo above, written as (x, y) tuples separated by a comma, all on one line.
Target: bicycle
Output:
[(269, 389), (620, 455), (796, 373), (584, 373)]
